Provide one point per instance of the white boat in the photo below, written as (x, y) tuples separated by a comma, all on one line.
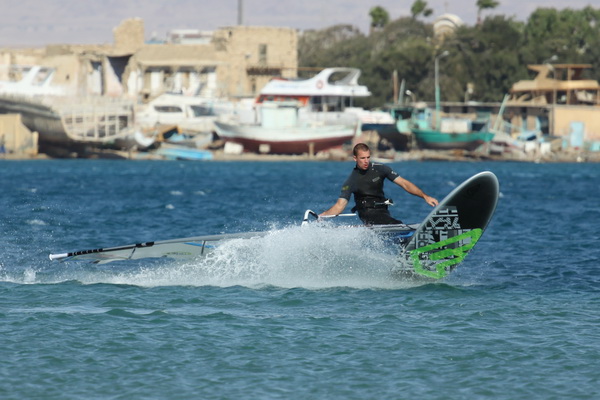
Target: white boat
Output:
[(299, 116), (282, 131), (324, 90), (193, 116), (190, 113), (327, 97)]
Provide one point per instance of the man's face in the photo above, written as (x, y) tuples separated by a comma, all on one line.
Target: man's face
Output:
[(363, 158)]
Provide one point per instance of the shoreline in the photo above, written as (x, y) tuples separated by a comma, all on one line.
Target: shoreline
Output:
[(341, 155)]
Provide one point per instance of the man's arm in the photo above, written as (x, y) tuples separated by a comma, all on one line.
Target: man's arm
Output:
[(414, 190), (337, 208)]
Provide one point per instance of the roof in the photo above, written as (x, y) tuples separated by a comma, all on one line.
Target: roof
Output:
[(548, 79), (328, 82)]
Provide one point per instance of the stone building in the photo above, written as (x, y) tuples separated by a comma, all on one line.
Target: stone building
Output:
[(252, 55), (236, 63)]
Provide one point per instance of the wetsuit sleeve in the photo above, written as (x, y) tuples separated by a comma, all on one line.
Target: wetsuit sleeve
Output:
[(347, 188), (389, 173)]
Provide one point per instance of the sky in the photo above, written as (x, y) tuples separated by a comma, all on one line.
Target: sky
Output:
[(38, 23)]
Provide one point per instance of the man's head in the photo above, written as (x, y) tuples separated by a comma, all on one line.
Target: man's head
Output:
[(362, 156)]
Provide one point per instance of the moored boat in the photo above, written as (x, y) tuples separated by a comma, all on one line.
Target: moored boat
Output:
[(280, 131), (432, 139), (299, 116), (453, 131)]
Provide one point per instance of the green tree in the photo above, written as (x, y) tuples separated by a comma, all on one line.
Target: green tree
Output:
[(568, 34), (486, 56), (419, 7), (484, 5), (379, 17), (403, 45), (492, 55), (321, 48)]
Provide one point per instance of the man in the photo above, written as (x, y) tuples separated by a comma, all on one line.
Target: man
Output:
[(366, 183)]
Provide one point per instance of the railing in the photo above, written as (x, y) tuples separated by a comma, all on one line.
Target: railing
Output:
[(91, 119)]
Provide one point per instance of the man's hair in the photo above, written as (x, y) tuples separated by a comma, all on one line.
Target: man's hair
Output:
[(360, 147)]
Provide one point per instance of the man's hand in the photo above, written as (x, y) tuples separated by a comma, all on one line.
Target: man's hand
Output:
[(430, 200), (337, 208)]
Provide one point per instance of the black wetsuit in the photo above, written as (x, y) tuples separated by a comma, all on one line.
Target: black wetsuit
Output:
[(367, 187)]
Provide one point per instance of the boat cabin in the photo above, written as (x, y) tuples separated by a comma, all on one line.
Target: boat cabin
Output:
[(562, 84), (332, 89)]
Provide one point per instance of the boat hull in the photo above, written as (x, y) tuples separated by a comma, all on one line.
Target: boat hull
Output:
[(292, 140), (67, 121), (175, 152), (435, 140)]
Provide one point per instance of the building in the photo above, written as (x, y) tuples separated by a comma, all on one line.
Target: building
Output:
[(446, 24), (571, 101), (232, 62)]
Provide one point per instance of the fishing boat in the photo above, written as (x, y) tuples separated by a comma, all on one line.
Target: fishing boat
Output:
[(454, 131), (299, 116), (281, 130), (432, 139)]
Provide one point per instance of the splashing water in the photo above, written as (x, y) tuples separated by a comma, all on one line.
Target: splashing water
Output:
[(303, 256), (314, 256)]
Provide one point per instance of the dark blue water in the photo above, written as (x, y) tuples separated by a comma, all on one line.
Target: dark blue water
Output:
[(298, 314)]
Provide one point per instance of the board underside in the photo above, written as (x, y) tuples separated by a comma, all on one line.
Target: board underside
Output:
[(451, 230)]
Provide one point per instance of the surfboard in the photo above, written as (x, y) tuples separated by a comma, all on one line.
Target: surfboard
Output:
[(447, 235)]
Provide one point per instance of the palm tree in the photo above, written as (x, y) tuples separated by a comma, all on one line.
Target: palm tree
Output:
[(420, 7), (483, 5), (379, 17)]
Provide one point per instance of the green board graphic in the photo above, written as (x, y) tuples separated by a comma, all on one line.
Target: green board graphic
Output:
[(452, 256)]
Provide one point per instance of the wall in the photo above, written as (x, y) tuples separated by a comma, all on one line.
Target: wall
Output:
[(245, 69), (589, 115), (18, 141), (237, 63), (129, 36)]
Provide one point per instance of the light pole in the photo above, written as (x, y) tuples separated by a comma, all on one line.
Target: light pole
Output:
[(548, 64), (437, 89)]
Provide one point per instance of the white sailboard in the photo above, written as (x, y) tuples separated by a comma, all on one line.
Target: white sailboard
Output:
[(183, 248)]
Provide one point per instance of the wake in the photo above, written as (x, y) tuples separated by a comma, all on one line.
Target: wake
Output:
[(315, 256)]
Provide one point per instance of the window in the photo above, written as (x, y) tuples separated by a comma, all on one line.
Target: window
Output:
[(202, 111), (168, 109), (262, 53)]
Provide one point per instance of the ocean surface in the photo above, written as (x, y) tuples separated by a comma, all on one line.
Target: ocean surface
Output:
[(300, 313)]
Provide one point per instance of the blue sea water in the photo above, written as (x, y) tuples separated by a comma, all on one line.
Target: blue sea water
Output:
[(300, 313)]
